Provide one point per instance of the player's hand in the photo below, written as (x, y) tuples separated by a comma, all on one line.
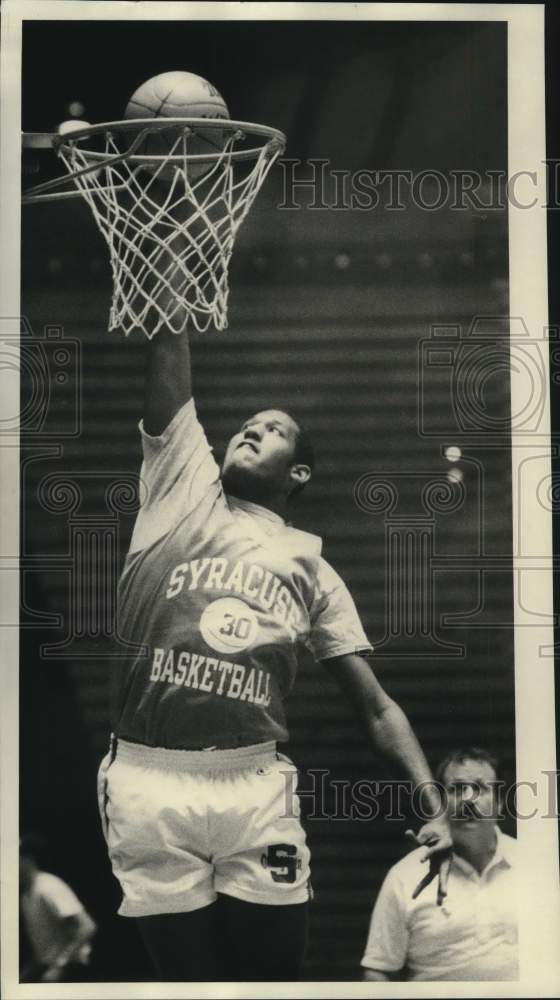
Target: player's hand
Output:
[(435, 837)]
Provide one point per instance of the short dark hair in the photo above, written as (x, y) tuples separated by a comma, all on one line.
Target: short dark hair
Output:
[(460, 755), (304, 452)]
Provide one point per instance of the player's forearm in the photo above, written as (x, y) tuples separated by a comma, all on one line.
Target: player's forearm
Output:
[(168, 379)]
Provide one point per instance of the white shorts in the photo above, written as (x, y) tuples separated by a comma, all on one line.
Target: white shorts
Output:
[(183, 825)]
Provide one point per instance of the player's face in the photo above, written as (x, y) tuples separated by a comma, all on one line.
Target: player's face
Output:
[(472, 797), (259, 457)]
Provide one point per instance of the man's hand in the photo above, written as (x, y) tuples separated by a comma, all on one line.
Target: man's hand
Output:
[(435, 836)]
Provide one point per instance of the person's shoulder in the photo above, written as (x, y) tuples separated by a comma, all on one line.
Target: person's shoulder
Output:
[(309, 544), (331, 584), (411, 861), (408, 870), (328, 577), (401, 880)]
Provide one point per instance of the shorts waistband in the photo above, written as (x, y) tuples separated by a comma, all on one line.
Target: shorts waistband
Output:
[(195, 760)]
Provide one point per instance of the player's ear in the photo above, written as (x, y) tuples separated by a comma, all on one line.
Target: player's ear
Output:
[(300, 474)]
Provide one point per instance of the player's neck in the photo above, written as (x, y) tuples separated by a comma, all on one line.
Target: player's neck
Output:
[(257, 493), (277, 506), (273, 504)]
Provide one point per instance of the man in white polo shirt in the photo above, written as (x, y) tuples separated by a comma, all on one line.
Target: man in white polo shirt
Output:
[(473, 936)]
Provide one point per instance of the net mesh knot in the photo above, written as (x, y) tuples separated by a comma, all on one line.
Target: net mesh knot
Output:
[(170, 225)]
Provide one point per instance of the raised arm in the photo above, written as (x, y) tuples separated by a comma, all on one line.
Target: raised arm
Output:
[(168, 384)]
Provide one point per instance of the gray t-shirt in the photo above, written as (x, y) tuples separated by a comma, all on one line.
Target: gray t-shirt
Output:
[(218, 592)]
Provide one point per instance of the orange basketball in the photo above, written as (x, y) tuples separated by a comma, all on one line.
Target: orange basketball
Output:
[(179, 95)]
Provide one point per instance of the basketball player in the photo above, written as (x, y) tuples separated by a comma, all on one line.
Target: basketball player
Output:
[(217, 591)]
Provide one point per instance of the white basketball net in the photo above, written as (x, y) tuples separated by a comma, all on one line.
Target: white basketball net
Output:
[(170, 231)]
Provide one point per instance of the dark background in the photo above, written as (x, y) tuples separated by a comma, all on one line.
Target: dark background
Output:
[(329, 313)]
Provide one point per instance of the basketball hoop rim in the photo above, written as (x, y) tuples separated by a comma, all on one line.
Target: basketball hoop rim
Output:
[(144, 126), (187, 230)]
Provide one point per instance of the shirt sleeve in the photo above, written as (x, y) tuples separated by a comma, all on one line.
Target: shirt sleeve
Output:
[(177, 471), (335, 624), (387, 943)]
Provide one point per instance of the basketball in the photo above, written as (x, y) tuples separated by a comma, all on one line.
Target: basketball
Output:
[(179, 95)]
